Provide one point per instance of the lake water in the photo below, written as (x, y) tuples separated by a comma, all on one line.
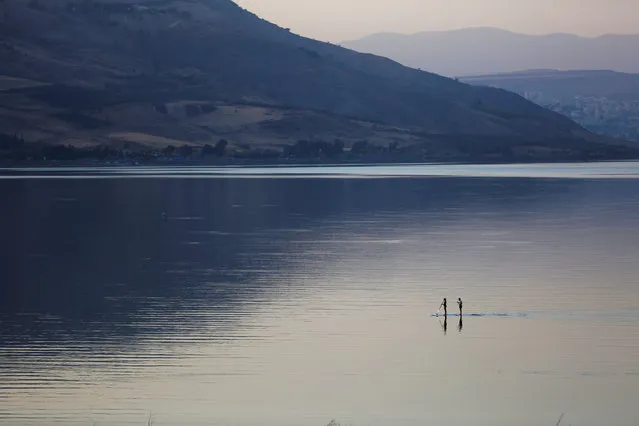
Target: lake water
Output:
[(295, 296)]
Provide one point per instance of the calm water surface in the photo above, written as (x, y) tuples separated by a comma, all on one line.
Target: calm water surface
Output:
[(294, 296)]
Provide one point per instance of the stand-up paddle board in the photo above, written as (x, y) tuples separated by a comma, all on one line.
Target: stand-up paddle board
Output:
[(480, 315)]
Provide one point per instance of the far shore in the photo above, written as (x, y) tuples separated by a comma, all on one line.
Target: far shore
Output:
[(236, 162)]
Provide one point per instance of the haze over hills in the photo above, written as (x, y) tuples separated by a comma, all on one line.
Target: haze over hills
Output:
[(565, 85), (606, 102), (158, 73), (489, 50)]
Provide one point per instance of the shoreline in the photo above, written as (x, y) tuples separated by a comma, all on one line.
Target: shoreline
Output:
[(245, 163)]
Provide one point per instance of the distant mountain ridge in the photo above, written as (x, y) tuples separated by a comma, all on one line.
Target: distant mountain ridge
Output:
[(475, 51), (592, 83)]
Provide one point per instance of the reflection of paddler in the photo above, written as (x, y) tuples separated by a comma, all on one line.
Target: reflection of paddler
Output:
[(445, 306)]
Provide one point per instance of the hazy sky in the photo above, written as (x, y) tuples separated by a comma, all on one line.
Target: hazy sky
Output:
[(339, 20)]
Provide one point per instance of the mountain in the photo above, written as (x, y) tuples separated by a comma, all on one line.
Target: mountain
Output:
[(606, 102), (157, 74), (565, 85), (488, 51)]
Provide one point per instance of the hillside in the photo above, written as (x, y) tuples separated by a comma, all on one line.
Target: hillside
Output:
[(602, 101), (565, 85), (159, 73), (474, 51)]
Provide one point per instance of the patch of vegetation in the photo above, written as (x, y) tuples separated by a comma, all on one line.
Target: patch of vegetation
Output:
[(82, 120), (311, 53), (192, 110), (14, 148), (208, 108), (31, 152), (71, 97), (11, 143), (219, 150), (161, 108), (314, 149), (503, 113)]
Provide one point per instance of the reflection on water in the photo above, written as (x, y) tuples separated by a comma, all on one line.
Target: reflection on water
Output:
[(298, 301), (620, 169)]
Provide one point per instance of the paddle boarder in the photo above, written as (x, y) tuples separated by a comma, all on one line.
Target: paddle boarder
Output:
[(461, 305), (445, 305)]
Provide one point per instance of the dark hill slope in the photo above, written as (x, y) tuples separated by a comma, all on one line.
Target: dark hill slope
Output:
[(95, 55)]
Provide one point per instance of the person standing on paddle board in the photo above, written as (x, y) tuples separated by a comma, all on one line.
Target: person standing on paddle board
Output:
[(445, 305), (461, 305)]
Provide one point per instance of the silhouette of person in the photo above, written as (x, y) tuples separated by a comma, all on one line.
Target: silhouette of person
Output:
[(445, 305), (461, 305), (460, 326)]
